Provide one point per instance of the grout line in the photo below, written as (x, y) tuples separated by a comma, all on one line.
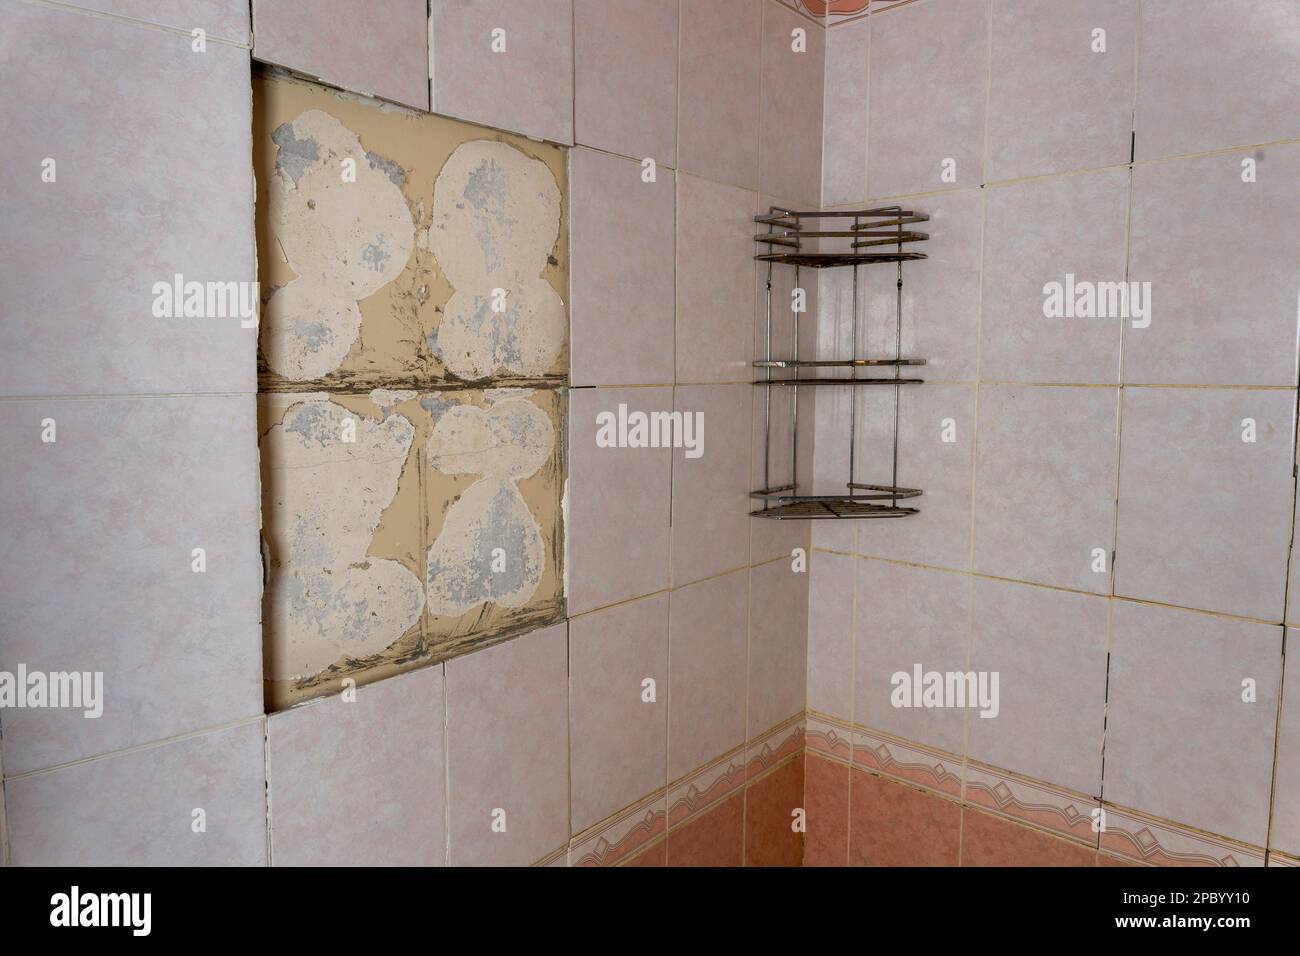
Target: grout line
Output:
[(139, 748), (146, 24), (446, 770), (1115, 167), (266, 791), (1056, 587)]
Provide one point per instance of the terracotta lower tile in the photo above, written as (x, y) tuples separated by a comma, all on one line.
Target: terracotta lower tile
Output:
[(716, 838), (770, 840), (657, 855), (991, 841), (895, 825), (1104, 859), (826, 806)]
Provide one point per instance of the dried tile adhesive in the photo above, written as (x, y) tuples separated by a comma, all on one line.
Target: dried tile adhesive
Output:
[(413, 363)]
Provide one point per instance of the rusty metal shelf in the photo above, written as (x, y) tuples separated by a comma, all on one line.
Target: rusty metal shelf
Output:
[(787, 233)]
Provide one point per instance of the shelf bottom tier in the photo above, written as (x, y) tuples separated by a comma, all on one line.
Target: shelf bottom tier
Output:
[(821, 508)]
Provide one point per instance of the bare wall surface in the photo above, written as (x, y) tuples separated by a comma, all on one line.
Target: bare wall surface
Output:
[(411, 498)]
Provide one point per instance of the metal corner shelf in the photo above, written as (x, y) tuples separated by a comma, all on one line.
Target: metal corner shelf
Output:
[(785, 239)]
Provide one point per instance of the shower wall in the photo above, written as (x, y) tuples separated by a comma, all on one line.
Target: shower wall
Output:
[(1108, 508), (662, 720)]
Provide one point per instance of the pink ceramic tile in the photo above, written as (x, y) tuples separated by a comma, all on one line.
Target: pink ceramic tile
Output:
[(718, 90), (615, 552), (908, 617), (625, 77), (1222, 288), (507, 766), (226, 19), (1172, 670), (1048, 62), (1245, 93), (618, 723), (778, 644), (714, 838), (380, 49), (895, 825), (844, 129), (926, 55), (1045, 484), (526, 87), (715, 281), (621, 277), (993, 841), (771, 803), (387, 808), (936, 441), (1048, 648), (1040, 232), (1186, 535), (119, 218), (826, 802), (711, 500), (109, 515), (1285, 832), (708, 637), (790, 153), (142, 808), (830, 633)]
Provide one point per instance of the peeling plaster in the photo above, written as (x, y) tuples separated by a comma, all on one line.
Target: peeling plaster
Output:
[(509, 204), (328, 596), (491, 521), (344, 240)]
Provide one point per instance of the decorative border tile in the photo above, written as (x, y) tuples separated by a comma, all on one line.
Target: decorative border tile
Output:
[(557, 857), (1136, 836), (840, 12), (829, 736), (814, 10), (784, 740), (701, 789), (903, 760), (1281, 859), (1029, 801), (626, 833)]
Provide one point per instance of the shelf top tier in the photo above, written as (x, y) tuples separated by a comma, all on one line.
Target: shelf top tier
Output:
[(787, 229)]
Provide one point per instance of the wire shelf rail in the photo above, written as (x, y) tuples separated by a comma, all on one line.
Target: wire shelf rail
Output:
[(790, 242)]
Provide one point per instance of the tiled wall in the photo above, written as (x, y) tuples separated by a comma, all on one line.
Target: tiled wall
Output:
[(668, 579), (1121, 680), (1069, 436)]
